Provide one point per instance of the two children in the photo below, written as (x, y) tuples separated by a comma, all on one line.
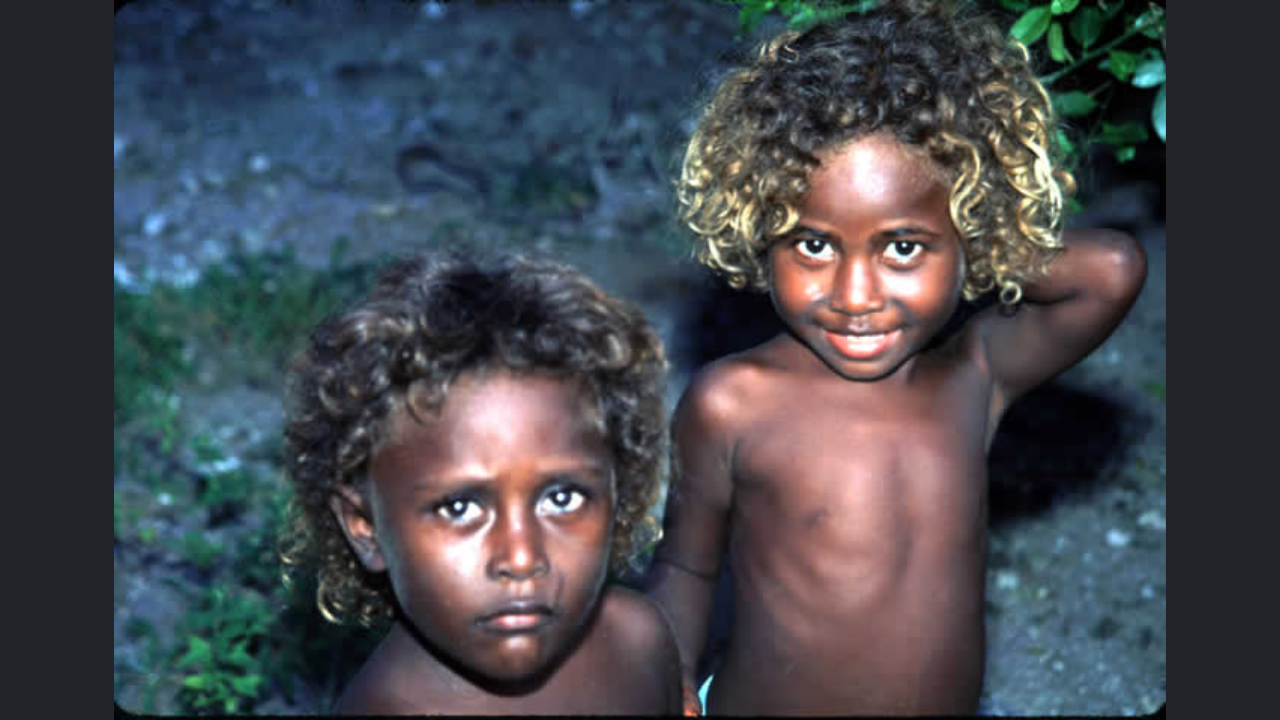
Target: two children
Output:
[(473, 447), (868, 174)]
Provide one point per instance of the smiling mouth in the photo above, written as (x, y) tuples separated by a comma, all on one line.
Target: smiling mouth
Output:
[(862, 346), (517, 620)]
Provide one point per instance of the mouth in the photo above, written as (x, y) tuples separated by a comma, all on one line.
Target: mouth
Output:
[(862, 346), (517, 618)]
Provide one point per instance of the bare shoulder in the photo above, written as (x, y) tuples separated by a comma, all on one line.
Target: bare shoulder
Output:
[(372, 692), (640, 636), (718, 395), (636, 623)]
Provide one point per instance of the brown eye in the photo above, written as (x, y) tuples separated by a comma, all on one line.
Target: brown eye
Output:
[(901, 252), (458, 510), (814, 248), (561, 501)]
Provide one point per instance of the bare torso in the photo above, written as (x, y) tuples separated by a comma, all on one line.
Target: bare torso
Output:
[(857, 538)]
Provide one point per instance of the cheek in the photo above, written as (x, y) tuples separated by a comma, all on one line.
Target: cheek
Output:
[(793, 289)]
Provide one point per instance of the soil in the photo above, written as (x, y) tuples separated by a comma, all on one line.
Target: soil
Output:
[(553, 126)]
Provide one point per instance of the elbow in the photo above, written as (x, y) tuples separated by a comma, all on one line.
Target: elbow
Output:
[(1123, 267)]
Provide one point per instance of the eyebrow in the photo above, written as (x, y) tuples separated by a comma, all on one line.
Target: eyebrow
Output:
[(909, 230), (474, 483)]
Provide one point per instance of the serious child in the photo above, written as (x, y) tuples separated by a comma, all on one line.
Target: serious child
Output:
[(473, 446), (867, 174)]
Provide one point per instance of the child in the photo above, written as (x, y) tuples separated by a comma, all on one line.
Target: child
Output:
[(867, 174), (473, 447)]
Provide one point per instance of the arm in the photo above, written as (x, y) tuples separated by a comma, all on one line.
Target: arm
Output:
[(646, 645), (682, 578), (1064, 317)]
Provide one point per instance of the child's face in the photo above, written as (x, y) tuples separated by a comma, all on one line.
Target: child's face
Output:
[(494, 521), (874, 269)]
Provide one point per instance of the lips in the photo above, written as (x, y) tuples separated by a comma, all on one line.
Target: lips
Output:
[(517, 618), (862, 346)]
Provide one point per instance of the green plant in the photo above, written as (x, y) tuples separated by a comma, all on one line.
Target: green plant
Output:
[(220, 669), (1122, 42), (148, 353), (261, 305), (199, 550)]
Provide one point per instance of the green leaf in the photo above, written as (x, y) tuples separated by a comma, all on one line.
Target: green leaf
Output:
[(1126, 153), (239, 655), (1057, 48), (1065, 143), (1149, 73), (198, 652), (1031, 25), (1074, 103), (1121, 63), (1130, 133), (1157, 113), (195, 682), (1061, 7), (1151, 22), (1111, 8), (1016, 5), (1086, 27), (247, 685)]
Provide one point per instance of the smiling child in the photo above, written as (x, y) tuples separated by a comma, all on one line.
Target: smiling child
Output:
[(867, 174), (473, 447)]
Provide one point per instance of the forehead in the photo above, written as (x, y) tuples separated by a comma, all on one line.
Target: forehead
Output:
[(878, 169), (496, 417)]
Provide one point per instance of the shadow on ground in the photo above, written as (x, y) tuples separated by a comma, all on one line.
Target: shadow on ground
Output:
[(1056, 442)]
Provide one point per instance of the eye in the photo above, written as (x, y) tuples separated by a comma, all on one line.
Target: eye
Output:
[(902, 252), (459, 511), (815, 248), (561, 501)]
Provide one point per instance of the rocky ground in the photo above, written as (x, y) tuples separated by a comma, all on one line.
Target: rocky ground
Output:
[(552, 126)]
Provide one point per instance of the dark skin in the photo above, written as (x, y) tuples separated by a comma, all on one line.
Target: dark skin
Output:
[(842, 464), (493, 521), (624, 664)]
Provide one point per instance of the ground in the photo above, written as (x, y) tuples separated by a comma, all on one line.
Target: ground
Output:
[(244, 128)]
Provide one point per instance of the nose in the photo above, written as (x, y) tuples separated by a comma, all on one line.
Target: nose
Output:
[(518, 551), (856, 290)]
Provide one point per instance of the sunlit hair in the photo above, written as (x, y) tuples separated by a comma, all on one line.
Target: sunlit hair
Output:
[(428, 320), (952, 87)]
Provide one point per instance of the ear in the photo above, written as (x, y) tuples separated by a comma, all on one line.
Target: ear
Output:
[(355, 518)]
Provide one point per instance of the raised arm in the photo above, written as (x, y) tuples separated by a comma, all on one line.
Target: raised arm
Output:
[(682, 578), (1064, 317)]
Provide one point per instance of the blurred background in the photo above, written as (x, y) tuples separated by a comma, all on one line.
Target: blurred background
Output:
[(270, 156)]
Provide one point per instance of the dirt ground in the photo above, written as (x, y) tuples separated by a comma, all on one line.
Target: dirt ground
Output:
[(553, 125)]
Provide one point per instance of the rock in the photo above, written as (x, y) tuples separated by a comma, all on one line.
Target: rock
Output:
[(154, 223), (1151, 519), (1006, 580), (259, 163), (1117, 538)]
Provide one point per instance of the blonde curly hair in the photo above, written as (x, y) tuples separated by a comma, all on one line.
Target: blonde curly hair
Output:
[(953, 87)]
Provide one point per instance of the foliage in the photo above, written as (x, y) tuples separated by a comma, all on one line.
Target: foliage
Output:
[(220, 670), (1114, 43), (261, 305), (148, 353), (249, 636)]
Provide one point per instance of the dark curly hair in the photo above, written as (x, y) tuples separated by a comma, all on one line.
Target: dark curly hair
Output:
[(427, 320), (947, 84)]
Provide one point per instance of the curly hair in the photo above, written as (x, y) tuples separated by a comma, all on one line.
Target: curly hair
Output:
[(950, 86), (427, 320)]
